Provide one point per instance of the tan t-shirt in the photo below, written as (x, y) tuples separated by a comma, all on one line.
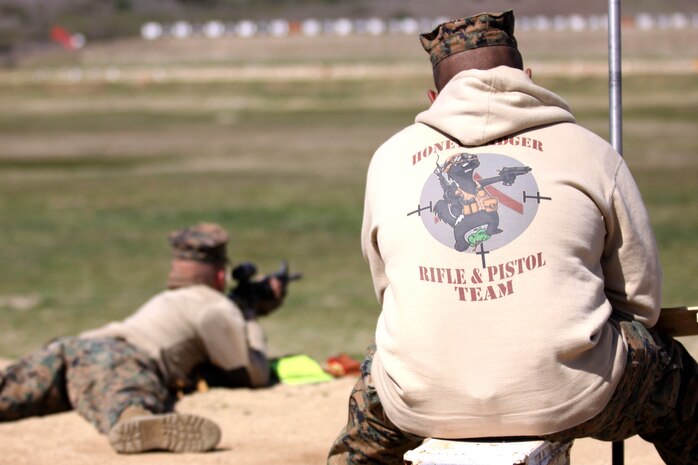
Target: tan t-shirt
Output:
[(193, 324), (501, 238)]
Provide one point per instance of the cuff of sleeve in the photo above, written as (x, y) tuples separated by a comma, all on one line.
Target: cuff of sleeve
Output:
[(255, 336)]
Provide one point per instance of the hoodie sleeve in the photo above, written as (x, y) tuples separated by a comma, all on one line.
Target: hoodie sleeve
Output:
[(632, 273), (232, 343)]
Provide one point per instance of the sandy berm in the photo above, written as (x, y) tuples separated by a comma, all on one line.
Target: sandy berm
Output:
[(290, 425)]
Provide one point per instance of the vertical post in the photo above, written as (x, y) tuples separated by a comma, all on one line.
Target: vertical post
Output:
[(616, 126), (618, 453), (614, 75)]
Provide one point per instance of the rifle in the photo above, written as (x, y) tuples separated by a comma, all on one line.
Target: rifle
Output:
[(450, 189), (257, 297)]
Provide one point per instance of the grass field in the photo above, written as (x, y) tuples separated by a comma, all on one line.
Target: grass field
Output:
[(95, 173)]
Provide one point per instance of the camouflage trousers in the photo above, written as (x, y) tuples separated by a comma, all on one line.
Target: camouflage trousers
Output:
[(656, 398), (99, 378)]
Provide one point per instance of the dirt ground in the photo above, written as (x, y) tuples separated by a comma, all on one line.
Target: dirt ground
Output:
[(293, 425)]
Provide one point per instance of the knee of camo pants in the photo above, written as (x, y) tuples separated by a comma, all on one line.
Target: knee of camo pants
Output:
[(106, 376), (673, 404), (35, 384), (655, 398), (369, 436)]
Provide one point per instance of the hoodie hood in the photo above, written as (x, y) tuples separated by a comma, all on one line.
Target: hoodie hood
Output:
[(479, 106)]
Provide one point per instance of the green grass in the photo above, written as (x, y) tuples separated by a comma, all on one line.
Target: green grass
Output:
[(94, 176)]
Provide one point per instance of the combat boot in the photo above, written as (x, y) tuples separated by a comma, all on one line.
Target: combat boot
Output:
[(139, 430)]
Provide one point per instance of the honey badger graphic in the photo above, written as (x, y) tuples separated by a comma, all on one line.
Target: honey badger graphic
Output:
[(466, 206)]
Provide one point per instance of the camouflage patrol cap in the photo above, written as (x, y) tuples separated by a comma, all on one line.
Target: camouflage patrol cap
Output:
[(205, 242), (481, 30)]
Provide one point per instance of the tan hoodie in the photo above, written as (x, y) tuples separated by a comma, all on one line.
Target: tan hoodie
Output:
[(181, 328), (498, 269)]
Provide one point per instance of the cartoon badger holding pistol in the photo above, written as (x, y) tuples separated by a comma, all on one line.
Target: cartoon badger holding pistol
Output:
[(466, 206)]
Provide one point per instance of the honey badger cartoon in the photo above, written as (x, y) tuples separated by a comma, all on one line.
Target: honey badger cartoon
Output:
[(466, 206)]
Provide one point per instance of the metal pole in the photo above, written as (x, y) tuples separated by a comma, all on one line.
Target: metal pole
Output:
[(614, 76), (616, 126), (618, 452)]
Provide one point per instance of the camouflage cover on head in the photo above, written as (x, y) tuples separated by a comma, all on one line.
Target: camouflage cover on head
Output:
[(481, 30), (205, 242)]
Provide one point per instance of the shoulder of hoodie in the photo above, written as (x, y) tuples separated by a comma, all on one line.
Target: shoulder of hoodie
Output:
[(208, 306), (596, 151), (407, 141), (418, 136), (577, 139), (199, 296)]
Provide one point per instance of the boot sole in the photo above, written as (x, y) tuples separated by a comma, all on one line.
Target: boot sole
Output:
[(171, 432)]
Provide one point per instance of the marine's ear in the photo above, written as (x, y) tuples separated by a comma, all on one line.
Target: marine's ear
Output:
[(432, 95), (220, 279)]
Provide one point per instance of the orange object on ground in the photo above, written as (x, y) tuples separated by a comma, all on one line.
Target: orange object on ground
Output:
[(342, 365)]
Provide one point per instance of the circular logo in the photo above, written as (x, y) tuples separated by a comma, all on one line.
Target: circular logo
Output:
[(475, 199)]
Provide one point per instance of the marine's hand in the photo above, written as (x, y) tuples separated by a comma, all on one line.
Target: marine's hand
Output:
[(271, 292), (277, 286)]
